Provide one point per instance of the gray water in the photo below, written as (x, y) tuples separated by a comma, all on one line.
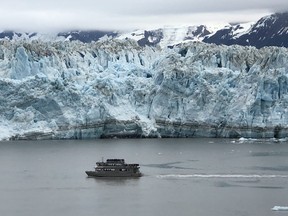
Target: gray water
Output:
[(200, 177)]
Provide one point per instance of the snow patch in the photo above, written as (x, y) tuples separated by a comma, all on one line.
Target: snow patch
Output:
[(243, 28)]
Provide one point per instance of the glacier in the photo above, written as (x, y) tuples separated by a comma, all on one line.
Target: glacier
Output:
[(116, 88)]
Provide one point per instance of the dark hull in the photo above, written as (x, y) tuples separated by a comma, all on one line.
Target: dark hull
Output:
[(112, 174)]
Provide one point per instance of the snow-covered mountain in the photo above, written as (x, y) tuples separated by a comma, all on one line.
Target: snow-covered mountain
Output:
[(271, 30), (229, 34), (169, 36), (86, 36), (83, 36), (116, 88)]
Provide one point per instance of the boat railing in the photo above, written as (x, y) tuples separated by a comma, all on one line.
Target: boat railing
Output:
[(113, 164)]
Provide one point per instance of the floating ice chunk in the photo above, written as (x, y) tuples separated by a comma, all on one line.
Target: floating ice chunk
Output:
[(283, 139), (280, 208), (242, 139)]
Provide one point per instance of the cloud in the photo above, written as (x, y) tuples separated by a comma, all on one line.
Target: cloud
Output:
[(115, 14), (200, 6)]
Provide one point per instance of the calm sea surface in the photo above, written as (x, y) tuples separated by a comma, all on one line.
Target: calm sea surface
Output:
[(200, 177)]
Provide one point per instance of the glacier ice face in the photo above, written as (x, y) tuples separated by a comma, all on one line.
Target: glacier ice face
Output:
[(117, 88)]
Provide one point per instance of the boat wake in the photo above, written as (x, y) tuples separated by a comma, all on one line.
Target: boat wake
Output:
[(232, 176)]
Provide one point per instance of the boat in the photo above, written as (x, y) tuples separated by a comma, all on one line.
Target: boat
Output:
[(115, 168)]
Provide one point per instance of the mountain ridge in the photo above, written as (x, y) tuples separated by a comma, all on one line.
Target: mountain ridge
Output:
[(271, 30)]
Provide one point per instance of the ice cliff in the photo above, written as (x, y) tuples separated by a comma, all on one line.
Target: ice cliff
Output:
[(115, 88)]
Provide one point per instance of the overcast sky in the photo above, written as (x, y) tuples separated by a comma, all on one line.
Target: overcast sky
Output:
[(55, 15)]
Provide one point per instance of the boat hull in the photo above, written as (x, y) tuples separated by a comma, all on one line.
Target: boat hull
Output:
[(112, 174)]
